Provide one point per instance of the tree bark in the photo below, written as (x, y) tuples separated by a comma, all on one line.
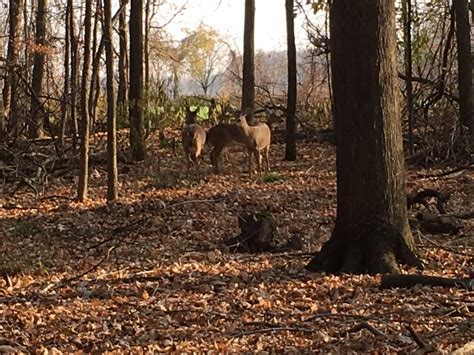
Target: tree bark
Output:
[(463, 38), (112, 171), (74, 73), (248, 75), (290, 138), (37, 119), (9, 92), (371, 232), (96, 54), (137, 136), (407, 22), (122, 63), (85, 117), (66, 103)]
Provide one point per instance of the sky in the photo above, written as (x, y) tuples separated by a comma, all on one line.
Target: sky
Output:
[(227, 17)]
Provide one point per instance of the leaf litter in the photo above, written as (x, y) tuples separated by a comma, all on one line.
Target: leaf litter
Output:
[(151, 271)]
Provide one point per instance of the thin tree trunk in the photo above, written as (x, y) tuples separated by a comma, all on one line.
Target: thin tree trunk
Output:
[(37, 119), (74, 73), (122, 63), (94, 91), (371, 232), (175, 82), (137, 136), (66, 95), (463, 37), (146, 54), (9, 93), (248, 85), (290, 139), (84, 149), (112, 171)]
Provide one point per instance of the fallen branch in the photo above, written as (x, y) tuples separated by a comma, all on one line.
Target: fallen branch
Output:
[(461, 170), (363, 325), (425, 347), (391, 281)]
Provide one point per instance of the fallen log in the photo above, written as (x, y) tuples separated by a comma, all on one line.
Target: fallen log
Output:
[(406, 281)]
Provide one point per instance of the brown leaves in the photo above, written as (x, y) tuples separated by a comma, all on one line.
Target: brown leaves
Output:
[(158, 277)]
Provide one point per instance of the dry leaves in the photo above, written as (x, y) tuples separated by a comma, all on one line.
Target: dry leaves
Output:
[(151, 272)]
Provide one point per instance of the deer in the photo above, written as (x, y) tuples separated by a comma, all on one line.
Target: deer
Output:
[(255, 138), (193, 138)]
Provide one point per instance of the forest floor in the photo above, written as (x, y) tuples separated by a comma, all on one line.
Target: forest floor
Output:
[(151, 272)]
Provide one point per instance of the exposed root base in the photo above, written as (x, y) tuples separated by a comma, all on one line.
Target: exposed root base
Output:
[(375, 248)]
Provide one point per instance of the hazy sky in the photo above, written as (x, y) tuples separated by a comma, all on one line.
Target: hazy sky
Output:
[(227, 16)]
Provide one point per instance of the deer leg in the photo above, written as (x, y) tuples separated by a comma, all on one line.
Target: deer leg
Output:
[(215, 159), (258, 158), (267, 161), (196, 163), (188, 162), (249, 161)]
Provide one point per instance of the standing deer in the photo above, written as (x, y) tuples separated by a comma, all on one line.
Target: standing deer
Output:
[(193, 138), (255, 138)]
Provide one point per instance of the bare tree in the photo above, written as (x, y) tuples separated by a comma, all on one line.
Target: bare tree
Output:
[(85, 117), (37, 119), (65, 104), (290, 139), (9, 92), (463, 37), (137, 136), (97, 52), (74, 72), (371, 232), (248, 84), (112, 171), (122, 61), (407, 24)]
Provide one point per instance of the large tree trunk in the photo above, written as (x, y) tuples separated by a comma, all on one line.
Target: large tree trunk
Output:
[(37, 119), (463, 37), (290, 139), (137, 136), (85, 117), (248, 75), (112, 172), (407, 22), (9, 93), (371, 232)]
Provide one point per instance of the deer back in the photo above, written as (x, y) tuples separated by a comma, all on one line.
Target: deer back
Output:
[(225, 134), (261, 135)]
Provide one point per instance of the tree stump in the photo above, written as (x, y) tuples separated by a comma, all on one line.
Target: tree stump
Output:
[(257, 232)]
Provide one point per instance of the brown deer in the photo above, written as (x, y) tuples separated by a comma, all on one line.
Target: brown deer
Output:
[(255, 138), (193, 137)]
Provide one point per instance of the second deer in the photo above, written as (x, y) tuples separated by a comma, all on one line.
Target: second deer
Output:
[(193, 138), (255, 138)]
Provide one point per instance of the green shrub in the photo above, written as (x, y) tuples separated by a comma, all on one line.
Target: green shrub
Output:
[(273, 177)]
